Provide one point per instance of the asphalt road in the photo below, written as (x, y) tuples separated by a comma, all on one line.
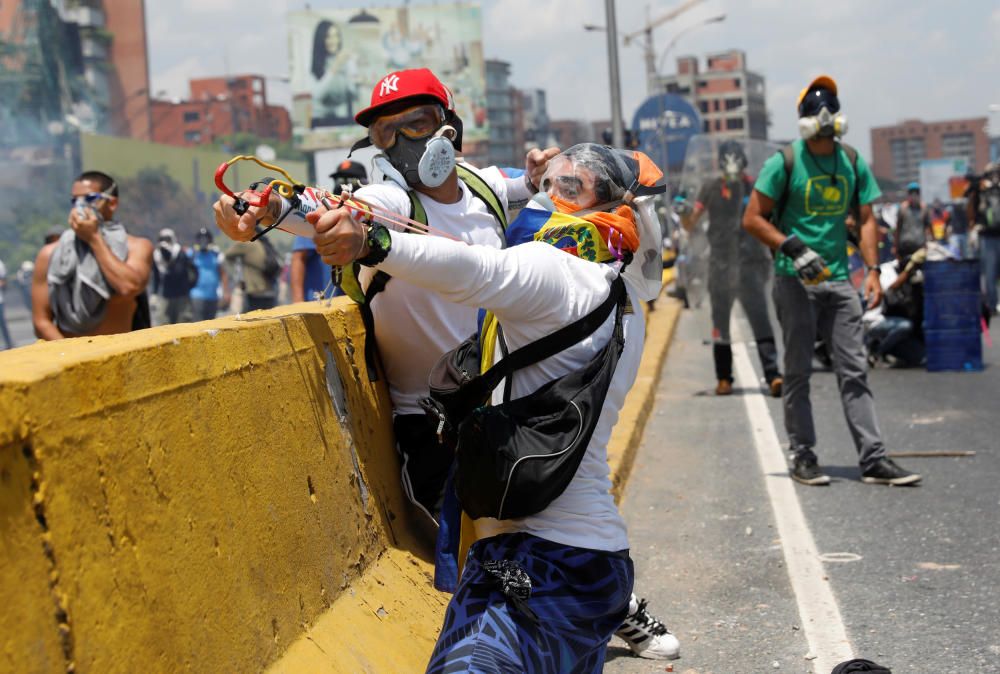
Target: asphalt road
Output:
[(18, 320), (919, 590)]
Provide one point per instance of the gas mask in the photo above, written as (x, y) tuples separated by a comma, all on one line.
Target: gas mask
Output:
[(418, 145), (732, 161), (426, 161), (820, 116)]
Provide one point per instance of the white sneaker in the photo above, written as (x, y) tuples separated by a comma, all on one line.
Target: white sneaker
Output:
[(647, 636)]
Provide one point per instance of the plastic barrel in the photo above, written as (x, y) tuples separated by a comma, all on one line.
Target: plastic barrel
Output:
[(951, 315)]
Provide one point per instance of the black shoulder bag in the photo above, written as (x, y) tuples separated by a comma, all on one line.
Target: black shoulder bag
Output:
[(514, 459)]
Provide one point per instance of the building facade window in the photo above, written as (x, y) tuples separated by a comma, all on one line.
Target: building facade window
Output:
[(192, 116), (734, 123), (959, 145), (733, 103), (907, 153), (192, 136)]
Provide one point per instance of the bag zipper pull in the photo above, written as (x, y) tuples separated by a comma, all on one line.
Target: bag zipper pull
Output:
[(440, 428)]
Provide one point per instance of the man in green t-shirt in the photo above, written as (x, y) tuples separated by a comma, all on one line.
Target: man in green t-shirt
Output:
[(811, 289)]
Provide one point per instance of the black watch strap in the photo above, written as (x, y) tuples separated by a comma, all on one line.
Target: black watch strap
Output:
[(379, 242)]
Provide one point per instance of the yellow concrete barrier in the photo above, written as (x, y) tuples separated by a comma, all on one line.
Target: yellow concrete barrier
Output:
[(220, 497), (195, 497)]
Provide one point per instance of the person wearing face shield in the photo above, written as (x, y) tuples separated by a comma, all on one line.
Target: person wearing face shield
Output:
[(92, 280), (737, 268), (412, 121), (545, 591), (798, 208)]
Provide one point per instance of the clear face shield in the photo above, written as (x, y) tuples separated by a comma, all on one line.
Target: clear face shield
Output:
[(569, 182)]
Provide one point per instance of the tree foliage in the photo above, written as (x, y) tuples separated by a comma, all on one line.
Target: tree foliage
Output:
[(152, 200)]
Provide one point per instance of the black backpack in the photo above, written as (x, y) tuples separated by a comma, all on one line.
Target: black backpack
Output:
[(515, 458), (272, 262)]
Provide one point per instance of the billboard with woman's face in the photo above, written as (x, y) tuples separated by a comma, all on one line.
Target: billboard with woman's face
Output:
[(338, 55)]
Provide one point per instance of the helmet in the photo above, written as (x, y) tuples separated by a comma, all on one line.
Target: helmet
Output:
[(589, 174), (913, 187)]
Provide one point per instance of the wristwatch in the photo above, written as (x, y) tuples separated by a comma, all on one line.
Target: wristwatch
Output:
[(869, 269), (379, 242)]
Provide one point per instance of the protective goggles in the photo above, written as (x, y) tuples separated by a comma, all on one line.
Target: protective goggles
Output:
[(415, 123), (816, 100), (569, 183), (88, 199)]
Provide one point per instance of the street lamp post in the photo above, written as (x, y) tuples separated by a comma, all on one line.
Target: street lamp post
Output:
[(617, 131), (673, 43)]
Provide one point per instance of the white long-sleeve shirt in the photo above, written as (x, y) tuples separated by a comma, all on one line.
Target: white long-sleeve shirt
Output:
[(535, 289)]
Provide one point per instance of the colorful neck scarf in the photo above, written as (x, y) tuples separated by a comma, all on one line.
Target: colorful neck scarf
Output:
[(595, 237)]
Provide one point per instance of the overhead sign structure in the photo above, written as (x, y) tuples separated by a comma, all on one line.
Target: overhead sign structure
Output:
[(665, 123), (336, 56)]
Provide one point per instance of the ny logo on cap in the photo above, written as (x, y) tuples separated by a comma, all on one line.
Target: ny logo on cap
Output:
[(389, 84)]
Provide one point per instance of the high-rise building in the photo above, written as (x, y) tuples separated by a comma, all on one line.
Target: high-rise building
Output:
[(730, 98), (91, 56), (503, 103), (218, 107), (898, 150), (535, 116)]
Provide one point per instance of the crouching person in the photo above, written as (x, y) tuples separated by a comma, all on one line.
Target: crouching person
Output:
[(548, 579)]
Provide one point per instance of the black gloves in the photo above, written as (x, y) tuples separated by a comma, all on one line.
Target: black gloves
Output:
[(810, 266)]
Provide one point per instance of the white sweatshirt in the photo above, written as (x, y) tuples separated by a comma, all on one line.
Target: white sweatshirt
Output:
[(535, 289)]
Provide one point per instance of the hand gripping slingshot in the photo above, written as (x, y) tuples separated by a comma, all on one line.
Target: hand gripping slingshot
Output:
[(292, 191)]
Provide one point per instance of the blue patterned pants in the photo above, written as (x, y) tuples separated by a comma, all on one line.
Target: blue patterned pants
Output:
[(525, 604)]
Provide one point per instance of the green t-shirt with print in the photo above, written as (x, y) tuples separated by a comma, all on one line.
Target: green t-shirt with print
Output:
[(815, 205)]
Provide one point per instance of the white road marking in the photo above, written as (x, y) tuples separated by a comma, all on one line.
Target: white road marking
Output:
[(818, 608)]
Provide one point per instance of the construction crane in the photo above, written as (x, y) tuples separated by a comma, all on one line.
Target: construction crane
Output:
[(647, 32)]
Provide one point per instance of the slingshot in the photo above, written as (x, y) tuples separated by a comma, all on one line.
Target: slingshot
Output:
[(292, 191)]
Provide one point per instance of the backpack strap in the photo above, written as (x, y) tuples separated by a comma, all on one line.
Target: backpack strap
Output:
[(788, 156), (563, 338), (855, 207), (482, 190)]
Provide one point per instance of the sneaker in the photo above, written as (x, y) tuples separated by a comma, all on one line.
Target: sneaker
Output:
[(805, 469), (647, 636), (885, 471), (724, 388), (775, 387)]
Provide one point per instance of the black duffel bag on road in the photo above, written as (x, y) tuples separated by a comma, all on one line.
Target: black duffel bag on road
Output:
[(515, 458)]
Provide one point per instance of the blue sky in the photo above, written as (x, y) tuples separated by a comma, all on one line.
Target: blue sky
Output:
[(893, 59)]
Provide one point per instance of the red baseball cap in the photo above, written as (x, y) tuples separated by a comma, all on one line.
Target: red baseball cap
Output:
[(403, 84)]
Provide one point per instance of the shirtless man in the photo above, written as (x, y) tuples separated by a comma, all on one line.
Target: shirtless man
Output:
[(96, 234)]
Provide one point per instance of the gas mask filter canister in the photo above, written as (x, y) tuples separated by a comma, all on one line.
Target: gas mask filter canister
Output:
[(426, 162), (825, 124)]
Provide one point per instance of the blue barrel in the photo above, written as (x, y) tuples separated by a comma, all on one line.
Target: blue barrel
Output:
[(952, 314)]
